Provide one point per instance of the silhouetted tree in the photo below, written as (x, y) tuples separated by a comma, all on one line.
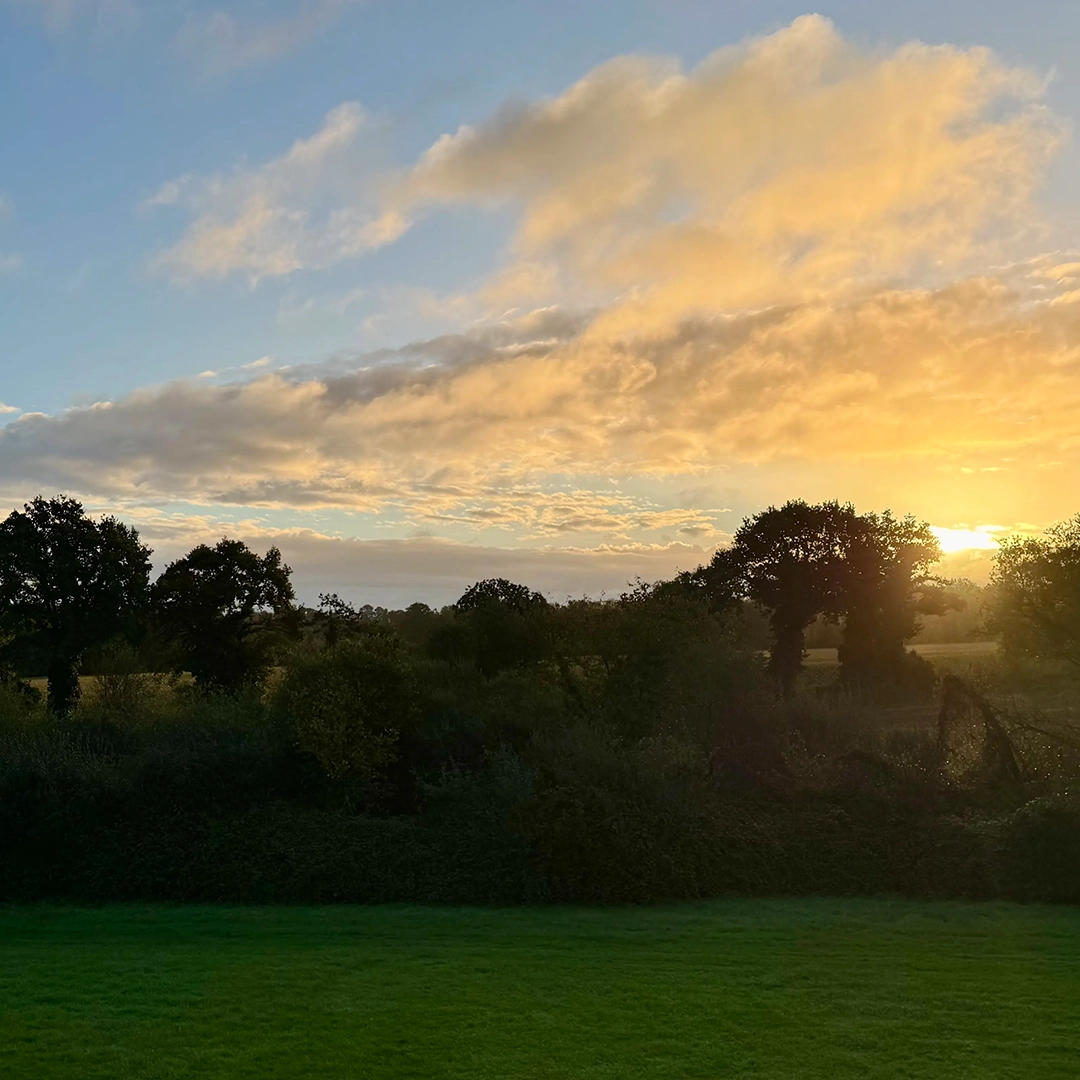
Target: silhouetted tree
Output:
[(659, 658), (211, 601), (338, 620), (789, 561), (68, 582), (1035, 595), (887, 584), (498, 592), (498, 625), (416, 623)]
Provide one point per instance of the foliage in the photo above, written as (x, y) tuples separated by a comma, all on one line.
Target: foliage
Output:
[(211, 600), (790, 561), (810, 564), (963, 617), (496, 625), (1039, 851), (508, 749), (1035, 595), (337, 620), (617, 822), (658, 658), (68, 582), (349, 705), (886, 586)]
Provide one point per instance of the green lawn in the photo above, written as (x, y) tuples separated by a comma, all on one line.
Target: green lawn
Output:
[(791, 989)]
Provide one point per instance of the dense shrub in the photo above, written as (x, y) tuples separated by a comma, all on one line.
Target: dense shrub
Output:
[(1038, 851), (613, 822), (349, 705), (376, 772)]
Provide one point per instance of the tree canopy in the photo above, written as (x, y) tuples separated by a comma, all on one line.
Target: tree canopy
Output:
[(498, 625), (68, 582), (801, 561), (210, 599), (1035, 594), (790, 561), (887, 586)]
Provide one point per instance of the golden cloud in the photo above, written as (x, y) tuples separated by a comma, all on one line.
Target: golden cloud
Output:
[(791, 164)]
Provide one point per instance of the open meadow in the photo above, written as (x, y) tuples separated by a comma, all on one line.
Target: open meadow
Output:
[(740, 988), (946, 653)]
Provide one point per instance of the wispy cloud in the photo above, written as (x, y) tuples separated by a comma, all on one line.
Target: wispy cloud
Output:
[(304, 209), (471, 430), (218, 42)]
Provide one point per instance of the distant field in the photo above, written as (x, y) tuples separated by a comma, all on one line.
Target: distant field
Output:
[(749, 989), (89, 682), (954, 651), (950, 651)]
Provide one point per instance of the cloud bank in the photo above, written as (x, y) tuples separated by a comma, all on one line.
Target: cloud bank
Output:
[(395, 573)]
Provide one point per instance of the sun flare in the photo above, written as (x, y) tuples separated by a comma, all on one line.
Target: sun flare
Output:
[(981, 538)]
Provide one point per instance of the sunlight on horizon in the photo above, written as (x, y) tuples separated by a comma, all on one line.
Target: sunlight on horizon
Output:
[(981, 538)]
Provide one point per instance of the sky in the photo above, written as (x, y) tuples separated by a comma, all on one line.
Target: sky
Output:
[(426, 292)]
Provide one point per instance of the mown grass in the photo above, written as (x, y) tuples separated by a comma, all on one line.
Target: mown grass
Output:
[(882, 989)]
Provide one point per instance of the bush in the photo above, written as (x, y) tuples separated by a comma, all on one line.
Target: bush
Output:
[(660, 767), (19, 703), (349, 706), (614, 822), (1038, 851)]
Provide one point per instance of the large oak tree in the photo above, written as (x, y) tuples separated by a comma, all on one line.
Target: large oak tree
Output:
[(211, 601), (68, 582)]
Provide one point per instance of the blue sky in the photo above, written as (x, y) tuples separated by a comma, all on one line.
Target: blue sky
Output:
[(136, 135)]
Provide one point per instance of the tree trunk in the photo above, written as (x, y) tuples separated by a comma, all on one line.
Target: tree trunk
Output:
[(786, 657), (63, 685)]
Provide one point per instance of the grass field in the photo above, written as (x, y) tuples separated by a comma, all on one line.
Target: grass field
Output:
[(831, 989), (936, 652)]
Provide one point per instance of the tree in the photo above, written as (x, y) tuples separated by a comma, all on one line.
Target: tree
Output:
[(214, 601), (1035, 595), (68, 582), (789, 561), (886, 586), (500, 593), (338, 620), (659, 659), (498, 625)]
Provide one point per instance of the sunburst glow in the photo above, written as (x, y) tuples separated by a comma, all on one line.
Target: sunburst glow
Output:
[(981, 538)]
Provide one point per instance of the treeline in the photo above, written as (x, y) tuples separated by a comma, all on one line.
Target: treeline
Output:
[(235, 746), (71, 586)]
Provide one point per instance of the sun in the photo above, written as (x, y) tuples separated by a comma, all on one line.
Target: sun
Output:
[(981, 538)]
